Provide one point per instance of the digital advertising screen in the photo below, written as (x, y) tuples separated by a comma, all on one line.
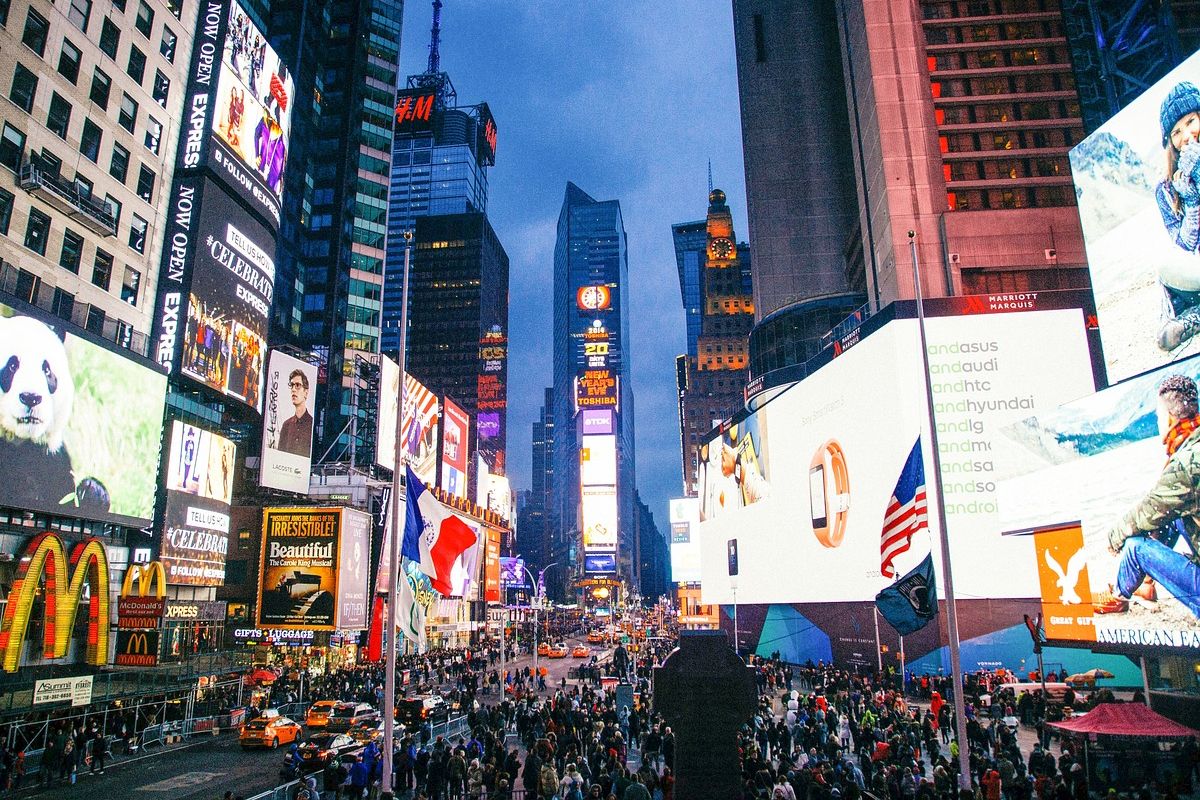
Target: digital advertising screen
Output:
[(415, 110), (491, 570), (600, 562), (420, 423), (456, 428), (599, 518), (291, 391), (82, 425), (229, 300), (598, 461), (491, 388), (596, 422), (839, 450), (199, 484), (354, 567), (684, 539), (486, 144), (298, 579), (1136, 181), (512, 572), (1098, 501)]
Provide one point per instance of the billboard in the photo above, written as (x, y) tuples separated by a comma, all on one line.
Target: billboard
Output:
[(684, 539), (491, 386), (1137, 179), (486, 136), (298, 577), (597, 388), (491, 569), (415, 110), (354, 567), (598, 461), (291, 389), (596, 422), (199, 483), (512, 572), (838, 441), (599, 518), (1104, 515), (420, 423), (456, 428), (82, 425), (599, 562)]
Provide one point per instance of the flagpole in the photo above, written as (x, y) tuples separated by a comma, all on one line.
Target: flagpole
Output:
[(878, 644), (960, 717), (389, 689)]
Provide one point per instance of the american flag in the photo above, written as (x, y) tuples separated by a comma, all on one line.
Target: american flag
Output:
[(906, 513)]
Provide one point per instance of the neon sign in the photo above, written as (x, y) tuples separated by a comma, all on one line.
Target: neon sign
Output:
[(414, 111)]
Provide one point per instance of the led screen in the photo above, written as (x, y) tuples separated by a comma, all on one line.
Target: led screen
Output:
[(420, 423), (1092, 468), (598, 461), (1138, 202), (853, 423), (200, 470), (512, 572), (685, 539), (291, 390), (600, 562), (456, 426), (600, 518), (82, 425)]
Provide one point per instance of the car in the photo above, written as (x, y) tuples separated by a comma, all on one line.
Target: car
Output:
[(543, 649), (596, 637), (580, 651), (558, 651), (414, 711), (345, 716), (322, 748), (372, 731), (268, 732), (318, 713)]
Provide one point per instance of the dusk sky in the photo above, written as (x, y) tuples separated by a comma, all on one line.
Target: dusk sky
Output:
[(629, 101)]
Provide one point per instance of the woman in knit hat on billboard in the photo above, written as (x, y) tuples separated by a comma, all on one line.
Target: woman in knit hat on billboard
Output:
[(1178, 196)]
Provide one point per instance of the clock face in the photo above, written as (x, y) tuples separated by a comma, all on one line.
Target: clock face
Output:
[(722, 248), (593, 298)]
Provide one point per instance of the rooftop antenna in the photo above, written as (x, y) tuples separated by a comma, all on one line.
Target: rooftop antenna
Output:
[(710, 176), (435, 38)]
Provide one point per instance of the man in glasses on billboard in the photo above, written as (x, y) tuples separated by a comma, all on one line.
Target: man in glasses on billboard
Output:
[(1171, 508), (295, 434)]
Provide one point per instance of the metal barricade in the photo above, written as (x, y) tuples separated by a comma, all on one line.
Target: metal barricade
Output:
[(451, 727), (283, 792)]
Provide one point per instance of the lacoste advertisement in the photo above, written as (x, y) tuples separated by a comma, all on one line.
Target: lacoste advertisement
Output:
[(286, 460)]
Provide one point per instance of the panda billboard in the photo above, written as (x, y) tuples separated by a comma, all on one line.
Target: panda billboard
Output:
[(82, 424)]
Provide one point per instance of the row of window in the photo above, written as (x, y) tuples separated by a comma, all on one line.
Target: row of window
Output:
[(996, 59), (984, 8), (1061, 81), (1042, 138), (1007, 168), (70, 257), (1016, 197), (994, 32), (1007, 112)]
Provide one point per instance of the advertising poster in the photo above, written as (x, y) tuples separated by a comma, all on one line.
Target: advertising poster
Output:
[(684, 539), (599, 562), (512, 572), (229, 302), (491, 390), (291, 390), (491, 569), (1114, 556), (252, 115), (1137, 179), (456, 427), (353, 570), (598, 461), (299, 575), (420, 423), (199, 483), (82, 425), (599, 518), (839, 441)]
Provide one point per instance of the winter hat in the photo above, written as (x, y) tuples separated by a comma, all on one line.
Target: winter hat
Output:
[(1183, 99)]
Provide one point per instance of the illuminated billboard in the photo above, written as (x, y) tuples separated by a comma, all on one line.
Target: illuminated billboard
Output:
[(414, 111), (512, 572), (684, 539), (598, 461), (491, 569), (492, 397), (803, 486), (291, 390), (456, 427), (599, 518), (486, 136), (597, 388), (1137, 179), (420, 422), (199, 483), (599, 562), (1104, 512), (82, 425)]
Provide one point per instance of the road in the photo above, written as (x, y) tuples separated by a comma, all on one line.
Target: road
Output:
[(206, 767)]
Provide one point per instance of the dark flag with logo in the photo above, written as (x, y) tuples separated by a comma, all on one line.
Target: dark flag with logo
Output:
[(910, 603)]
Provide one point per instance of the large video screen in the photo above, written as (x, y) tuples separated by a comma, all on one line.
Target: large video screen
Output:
[(291, 390), (200, 472), (512, 572), (1107, 511), (229, 304), (599, 518), (420, 423), (838, 441), (456, 427), (598, 461), (1137, 179), (82, 425), (684, 539), (354, 566)]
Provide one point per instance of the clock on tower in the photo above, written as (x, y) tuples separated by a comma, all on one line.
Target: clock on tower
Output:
[(721, 247)]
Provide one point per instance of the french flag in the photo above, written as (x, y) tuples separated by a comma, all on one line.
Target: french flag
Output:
[(433, 537)]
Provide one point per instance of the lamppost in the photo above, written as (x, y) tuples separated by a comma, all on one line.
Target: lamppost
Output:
[(535, 601)]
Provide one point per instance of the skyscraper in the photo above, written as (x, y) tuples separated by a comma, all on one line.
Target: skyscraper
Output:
[(594, 464)]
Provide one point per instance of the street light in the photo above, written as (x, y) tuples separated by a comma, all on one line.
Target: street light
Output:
[(533, 602)]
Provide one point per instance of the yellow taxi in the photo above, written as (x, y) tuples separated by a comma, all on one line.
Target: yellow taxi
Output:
[(596, 637), (268, 732), (318, 713), (580, 651), (543, 649), (557, 651)]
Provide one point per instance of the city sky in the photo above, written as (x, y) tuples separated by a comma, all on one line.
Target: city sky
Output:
[(630, 106)]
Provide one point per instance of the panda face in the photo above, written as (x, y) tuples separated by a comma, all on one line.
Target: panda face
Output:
[(36, 390)]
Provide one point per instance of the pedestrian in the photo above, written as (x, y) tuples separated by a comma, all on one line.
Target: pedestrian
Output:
[(99, 750)]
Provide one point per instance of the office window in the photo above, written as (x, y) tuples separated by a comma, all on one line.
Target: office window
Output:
[(84, 186), (89, 141), (4, 4), (175, 7), (101, 86), (37, 231), (68, 61), (127, 116), (130, 286), (72, 251), (153, 140), (167, 45), (136, 67), (80, 13), (24, 87), (145, 19), (110, 38), (12, 147), (59, 117), (137, 234), (113, 205), (118, 166), (51, 163), (6, 207), (119, 5), (162, 88), (145, 184), (102, 268), (36, 31)]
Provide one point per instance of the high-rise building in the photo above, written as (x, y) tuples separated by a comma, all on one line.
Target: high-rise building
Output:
[(534, 530), (715, 281), (594, 464), (654, 562)]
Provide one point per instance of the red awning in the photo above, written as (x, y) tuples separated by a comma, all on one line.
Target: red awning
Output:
[(260, 675), (1125, 719)]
